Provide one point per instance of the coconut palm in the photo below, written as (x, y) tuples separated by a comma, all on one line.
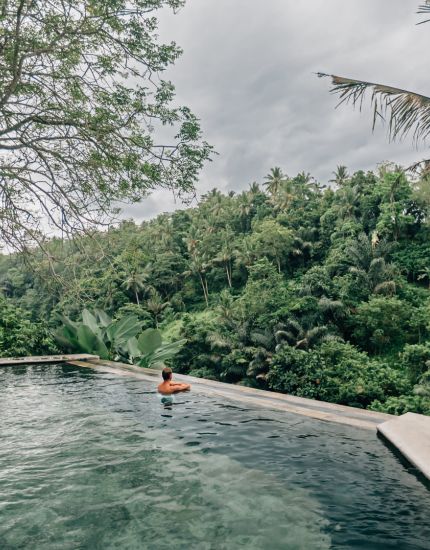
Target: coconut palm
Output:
[(274, 180), (245, 208), (284, 196), (156, 306), (340, 175), (137, 282), (246, 253), (406, 112), (349, 202), (225, 256), (198, 267)]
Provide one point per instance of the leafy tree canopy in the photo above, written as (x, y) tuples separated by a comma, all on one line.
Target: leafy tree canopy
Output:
[(86, 118)]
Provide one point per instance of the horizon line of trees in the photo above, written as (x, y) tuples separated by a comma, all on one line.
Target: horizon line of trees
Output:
[(318, 291)]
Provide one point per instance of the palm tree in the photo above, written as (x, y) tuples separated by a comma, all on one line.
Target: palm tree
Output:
[(197, 267), (274, 180), (138, 281), (340, 175), (245, 208), (369, 264), (254, 189), (407, 112), (349, 202), (226, 256), (284, 196), (300, 336), (246, 254), (156, 306)]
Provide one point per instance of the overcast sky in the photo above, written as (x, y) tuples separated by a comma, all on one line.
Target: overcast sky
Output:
[(248, 73)]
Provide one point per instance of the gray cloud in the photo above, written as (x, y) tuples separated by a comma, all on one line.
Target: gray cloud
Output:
[(248, 72)]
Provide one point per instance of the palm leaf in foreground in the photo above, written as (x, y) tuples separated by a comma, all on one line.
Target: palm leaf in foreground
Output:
[(406, 112), (424, 9)]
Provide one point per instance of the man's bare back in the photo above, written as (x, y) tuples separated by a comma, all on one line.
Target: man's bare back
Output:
[(167, 387)]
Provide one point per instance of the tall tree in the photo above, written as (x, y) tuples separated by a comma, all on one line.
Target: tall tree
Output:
[(274, 180), (81, 99), (340, 175)]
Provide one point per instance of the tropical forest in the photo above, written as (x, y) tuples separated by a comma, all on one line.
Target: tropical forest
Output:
[(319, 290)]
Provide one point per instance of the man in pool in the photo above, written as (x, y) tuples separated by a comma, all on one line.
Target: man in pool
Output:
[(167, 387)]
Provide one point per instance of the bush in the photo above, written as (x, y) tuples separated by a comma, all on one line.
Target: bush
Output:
[(19, 336), (415, 360), (335, 372), (403, 404), (381, 323)]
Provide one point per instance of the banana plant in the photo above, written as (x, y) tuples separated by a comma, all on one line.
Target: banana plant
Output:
[(98, 334)]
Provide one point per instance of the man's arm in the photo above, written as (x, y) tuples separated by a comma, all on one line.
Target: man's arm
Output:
[(180, 387)]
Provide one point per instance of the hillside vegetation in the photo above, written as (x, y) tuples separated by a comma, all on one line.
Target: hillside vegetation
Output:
[(318, 292)]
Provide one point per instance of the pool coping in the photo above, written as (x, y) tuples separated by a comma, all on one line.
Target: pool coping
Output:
[(320, 410), (410, 434)]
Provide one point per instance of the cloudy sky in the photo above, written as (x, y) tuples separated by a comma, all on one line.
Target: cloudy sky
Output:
[(248, 71)]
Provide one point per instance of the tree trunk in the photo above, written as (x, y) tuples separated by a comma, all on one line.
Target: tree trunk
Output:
[(204, 287), (228, 274)]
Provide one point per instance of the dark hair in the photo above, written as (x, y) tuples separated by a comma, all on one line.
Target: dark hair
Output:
[(166, 373)]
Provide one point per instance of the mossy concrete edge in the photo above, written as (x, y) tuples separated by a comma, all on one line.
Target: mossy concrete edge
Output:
[(320, 410), (410, 435)]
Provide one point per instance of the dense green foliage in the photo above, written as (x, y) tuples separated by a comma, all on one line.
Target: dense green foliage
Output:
[(320, 292), (87, 118), (120, 340)]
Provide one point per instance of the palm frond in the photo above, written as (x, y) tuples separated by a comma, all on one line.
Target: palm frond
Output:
[(424, 9), (264, 339), (386, 287), (406, 111), (282, 336)]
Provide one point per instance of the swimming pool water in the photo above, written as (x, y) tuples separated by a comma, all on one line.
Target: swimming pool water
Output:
[(90, 460)]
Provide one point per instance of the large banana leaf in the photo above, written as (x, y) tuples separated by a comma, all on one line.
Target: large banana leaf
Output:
[(149, 341), (68, 322), (103, 318), (91, 343), (67, 336), (119, 332), (132, 348), (90, 321), (163, 353)]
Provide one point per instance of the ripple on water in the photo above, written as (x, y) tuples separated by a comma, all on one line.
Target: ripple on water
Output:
[(89, 461)]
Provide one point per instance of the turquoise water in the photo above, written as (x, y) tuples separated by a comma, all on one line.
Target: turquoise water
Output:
[(94, 461)]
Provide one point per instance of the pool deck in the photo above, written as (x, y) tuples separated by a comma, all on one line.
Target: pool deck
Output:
[(45, 359), (410, 434)]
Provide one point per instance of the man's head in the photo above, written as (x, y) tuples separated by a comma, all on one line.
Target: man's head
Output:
[(166, 373)]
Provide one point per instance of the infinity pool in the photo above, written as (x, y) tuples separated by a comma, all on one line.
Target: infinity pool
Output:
[(93, 461)]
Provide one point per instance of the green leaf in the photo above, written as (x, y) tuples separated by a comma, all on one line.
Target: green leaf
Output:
[(119, 332), (67, 337), (149, 341), (90, 321), (91, 343), (103, 318), (161, 354), (133, 348)]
